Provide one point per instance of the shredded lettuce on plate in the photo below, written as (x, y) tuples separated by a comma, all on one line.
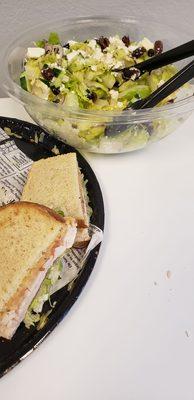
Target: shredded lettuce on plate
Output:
[(33, 313)]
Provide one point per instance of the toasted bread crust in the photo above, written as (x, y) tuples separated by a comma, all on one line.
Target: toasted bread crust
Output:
[(42, 209), (81, 223), (85, 221)]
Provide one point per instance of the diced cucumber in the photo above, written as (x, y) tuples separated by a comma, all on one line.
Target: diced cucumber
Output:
[(24, 82), (56, 71)]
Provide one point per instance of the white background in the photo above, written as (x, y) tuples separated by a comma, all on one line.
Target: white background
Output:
[(130, 334)]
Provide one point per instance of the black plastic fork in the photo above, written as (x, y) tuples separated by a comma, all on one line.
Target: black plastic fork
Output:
[(178, 53), (170, 86)]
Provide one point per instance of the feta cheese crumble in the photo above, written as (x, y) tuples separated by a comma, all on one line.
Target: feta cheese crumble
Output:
[(35, 52)]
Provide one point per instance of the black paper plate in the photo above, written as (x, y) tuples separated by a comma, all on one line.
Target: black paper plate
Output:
[(25, 341)]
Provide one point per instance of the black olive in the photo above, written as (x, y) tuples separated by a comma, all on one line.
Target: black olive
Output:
[(66, 45), (103, 42), (116, 85), (55, 90), (131, 73), (151, 52), (158, 47), (138, 52), (126, 40), (48, 74), (92, 96)]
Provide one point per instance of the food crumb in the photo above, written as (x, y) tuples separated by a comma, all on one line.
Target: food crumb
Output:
[(187, 333), (168, 274), (155, 283), (7, 130)]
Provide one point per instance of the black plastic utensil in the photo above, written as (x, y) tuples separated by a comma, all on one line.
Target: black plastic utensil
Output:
[(178, 53), (174, 83)]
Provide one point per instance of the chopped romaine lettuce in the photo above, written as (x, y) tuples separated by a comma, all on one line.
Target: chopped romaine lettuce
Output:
[(54, 38), (33, 314), (32, 70), (40, 43), (89, 209), (60, 212), (93, 133), (43, 320)]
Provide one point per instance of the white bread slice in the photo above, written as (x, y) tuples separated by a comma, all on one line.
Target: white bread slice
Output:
[(56, 183), (31, 238)]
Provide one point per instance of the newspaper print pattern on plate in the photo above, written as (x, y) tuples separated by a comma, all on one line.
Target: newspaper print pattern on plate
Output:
[(14, 167)]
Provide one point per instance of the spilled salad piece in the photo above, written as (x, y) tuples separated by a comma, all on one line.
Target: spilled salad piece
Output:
[(81, 74)]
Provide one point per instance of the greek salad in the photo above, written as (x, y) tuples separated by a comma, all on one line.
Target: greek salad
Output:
[(81, 74), (85, 75)]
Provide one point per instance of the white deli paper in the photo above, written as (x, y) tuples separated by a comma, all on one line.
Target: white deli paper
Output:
[(14, 167)]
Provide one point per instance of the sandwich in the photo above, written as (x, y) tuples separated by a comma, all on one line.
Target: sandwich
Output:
[(57, 183), (32, 238)]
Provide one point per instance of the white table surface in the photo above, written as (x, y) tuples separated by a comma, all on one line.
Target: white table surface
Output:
[(130, 335)]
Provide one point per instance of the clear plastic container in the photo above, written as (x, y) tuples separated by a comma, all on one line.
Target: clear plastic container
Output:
[(125, 131)]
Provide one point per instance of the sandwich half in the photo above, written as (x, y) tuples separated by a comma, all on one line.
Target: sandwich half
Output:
[(57, 183), (32, 237)]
